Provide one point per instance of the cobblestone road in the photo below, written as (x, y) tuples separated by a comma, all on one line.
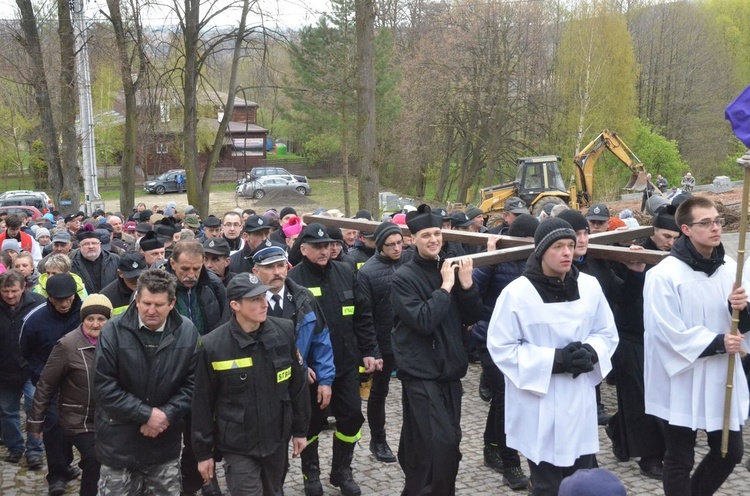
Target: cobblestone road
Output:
[(387, 480)]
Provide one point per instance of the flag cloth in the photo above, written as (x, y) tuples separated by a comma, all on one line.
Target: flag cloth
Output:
[(738, 114)]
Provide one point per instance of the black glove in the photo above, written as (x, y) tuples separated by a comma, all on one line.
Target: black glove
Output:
[(581, 362), (564, 358)]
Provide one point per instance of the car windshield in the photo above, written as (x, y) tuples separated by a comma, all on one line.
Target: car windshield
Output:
[(165, 176)]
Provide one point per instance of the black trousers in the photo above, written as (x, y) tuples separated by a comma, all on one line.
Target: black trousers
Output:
[(712, 471), (346, 406), (494, 431), (89, 465), (546, 478), (192, 480), (381, 381), (56, 445), (429, 451)]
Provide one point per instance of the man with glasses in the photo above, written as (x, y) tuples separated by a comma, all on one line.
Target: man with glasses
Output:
[(687, 319), (375, 283), (352, 336), (95, 266), (231, 230)]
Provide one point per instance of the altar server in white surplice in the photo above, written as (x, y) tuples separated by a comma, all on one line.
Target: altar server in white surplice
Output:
[(552, 334), (687, 300)]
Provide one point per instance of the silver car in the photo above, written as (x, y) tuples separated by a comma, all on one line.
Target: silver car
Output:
[(261, 187)]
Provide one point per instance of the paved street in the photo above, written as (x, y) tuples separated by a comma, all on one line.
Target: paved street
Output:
[(387, 480)]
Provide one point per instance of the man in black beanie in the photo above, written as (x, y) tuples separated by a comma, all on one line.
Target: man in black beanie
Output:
[(432, 299), (552, 335), (375, 283)]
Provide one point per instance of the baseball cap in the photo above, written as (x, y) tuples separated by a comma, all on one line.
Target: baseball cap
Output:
[(460, 219), (61, 237), (61, 286), (473, 211), (131, 265), (598, 211), (256, 223), (269, 255), (217, 246), (315, 233), (515, 205), (192, 221), (245, 285)]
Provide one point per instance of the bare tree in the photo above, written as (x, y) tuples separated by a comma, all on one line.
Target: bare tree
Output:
[(369, 182)]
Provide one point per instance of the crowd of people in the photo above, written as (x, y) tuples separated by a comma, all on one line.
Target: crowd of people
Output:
[(160, 343)]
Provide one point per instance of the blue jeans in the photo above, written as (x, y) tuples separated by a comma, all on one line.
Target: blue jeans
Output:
[(10, 418)]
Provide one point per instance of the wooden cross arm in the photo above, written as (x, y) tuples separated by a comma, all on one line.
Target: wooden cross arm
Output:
[(614, 253)]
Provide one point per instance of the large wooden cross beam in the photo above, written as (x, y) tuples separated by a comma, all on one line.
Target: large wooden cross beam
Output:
[(512, 248)]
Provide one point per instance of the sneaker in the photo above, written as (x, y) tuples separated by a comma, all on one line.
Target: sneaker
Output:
[(35, 462), (14, 456), (514, 478), (56, 488)]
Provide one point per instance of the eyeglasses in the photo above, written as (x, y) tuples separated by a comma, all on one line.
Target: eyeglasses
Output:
[(708, 223), (90, 244), (392, 245), (229, 224)]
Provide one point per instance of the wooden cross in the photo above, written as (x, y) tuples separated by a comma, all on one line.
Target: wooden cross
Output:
[(511, 248)]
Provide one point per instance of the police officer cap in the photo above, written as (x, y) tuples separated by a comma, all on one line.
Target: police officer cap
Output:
[(245, 285), (315, 233), (256, 223), (269, 255), (217, 246)]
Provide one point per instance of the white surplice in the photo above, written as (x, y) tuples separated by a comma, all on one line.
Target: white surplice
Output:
[(550, 417), (683, 311)]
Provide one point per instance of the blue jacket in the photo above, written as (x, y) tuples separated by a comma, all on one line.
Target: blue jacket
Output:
[(491, 280), (313, 339)]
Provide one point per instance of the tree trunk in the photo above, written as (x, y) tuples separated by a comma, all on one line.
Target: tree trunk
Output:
[(369, 181), (32, 46), (345, 155), (190, 112), (450, 133), (71, 171)]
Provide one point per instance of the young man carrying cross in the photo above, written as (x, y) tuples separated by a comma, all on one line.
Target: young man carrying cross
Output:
[(688, 300), (552, 335)]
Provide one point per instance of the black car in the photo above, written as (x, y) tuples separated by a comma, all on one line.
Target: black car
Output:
[(166, 183)]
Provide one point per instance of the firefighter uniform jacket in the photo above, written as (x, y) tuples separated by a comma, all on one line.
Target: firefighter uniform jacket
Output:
[(251, 390), (349, 320)]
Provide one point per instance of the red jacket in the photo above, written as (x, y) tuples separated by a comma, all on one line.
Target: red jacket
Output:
[(27, 242)]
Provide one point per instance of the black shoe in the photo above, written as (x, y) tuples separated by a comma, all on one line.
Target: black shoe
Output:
[(747, 464), (514, 478), (56, 488), (653, 471), (616, 448), (14, 456), (492, 458), (72, 473), (601, 415), (35, 462), (382, 451), (312, 484), (211, 488), (484, 389)]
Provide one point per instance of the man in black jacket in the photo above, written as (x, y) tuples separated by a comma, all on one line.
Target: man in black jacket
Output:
[(120, 292), (251, 394), (432, 299), (143, 382), (352, 336), (96, 267), (15, 304), (375, 283), (217, 259), (255, 233)]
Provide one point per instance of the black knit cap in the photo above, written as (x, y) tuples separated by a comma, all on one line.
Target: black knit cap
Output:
[(524, 226), (422, 218), (150, 242), (549, 232), (665, 219), (383, 231), (286, 211), (575, 219)]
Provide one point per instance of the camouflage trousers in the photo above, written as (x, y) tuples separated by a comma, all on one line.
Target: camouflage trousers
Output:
[(157, 480)]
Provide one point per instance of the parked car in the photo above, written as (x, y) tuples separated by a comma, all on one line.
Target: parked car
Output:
[(40, 201), (261, 187), (32, 212), (258, 172), (165, 183)]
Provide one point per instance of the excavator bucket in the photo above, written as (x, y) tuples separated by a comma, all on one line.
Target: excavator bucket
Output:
[(637, 181)]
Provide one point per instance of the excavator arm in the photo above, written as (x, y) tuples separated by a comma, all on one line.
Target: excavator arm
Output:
[(585, 162)]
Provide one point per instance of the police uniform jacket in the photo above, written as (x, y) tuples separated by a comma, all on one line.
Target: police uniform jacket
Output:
[(127, 385), (313, 338), (427, 336), (337, 291), (119, 295), (251, 390)]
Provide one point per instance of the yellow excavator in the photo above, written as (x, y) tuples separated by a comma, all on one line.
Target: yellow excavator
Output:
[(539, 180)]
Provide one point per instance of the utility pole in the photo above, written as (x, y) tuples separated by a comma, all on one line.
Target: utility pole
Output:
[(85, 110)]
